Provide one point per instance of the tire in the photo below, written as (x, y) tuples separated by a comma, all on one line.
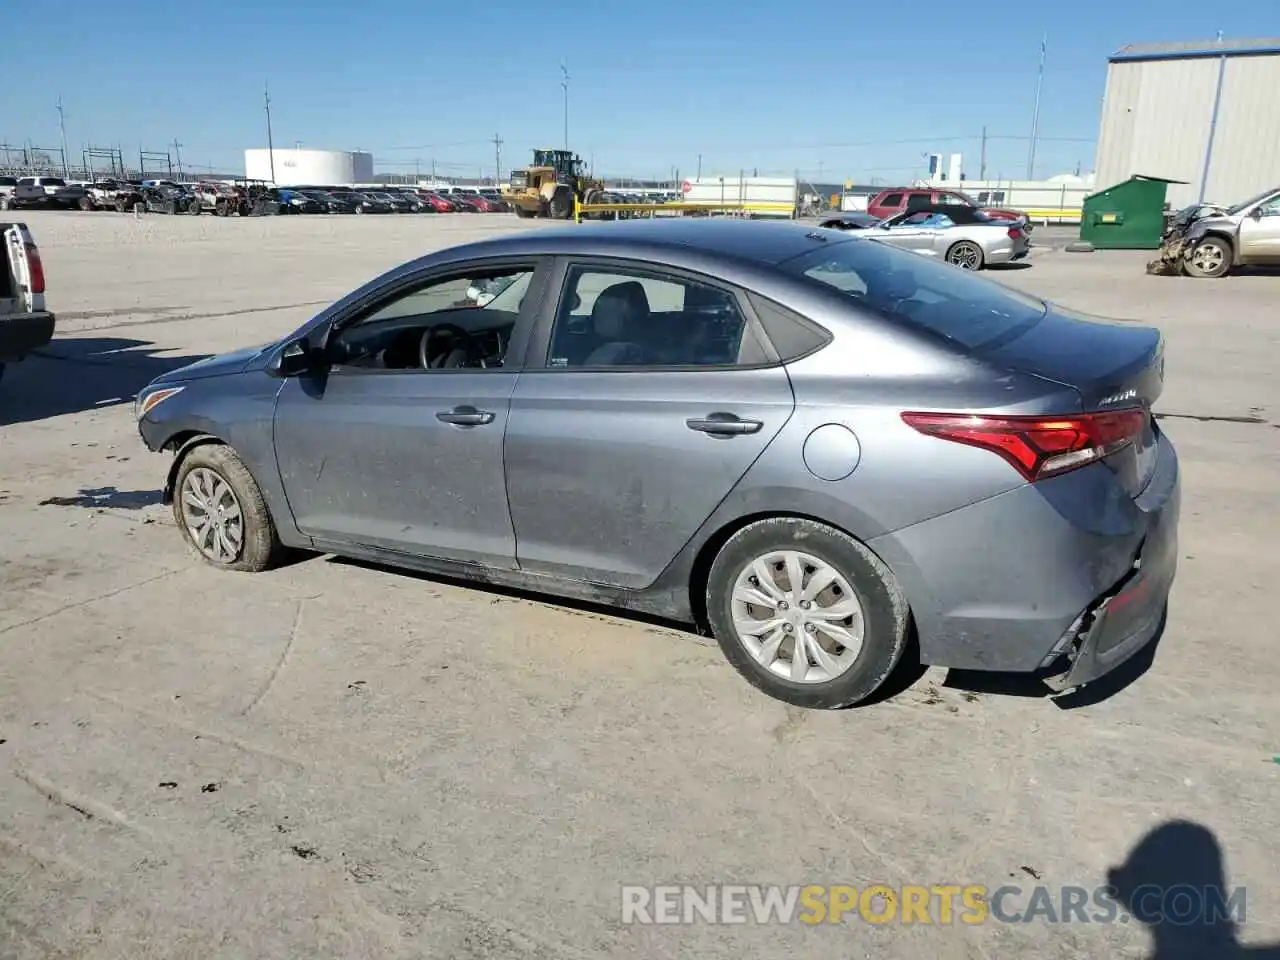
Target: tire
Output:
[(522, 213), (86, 204), (562, 204), (193, 208), (965, 254), (883, 611), (171, 207), (6, 203), (259, 546), (1210, 259)]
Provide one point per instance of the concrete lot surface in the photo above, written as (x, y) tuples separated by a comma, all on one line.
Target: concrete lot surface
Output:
[(334, 760)]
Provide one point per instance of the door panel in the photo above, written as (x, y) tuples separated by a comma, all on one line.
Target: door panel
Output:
[(1260, 238), (606, 479), (365, 458)]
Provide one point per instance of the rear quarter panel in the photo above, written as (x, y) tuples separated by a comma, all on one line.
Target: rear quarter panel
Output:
[(864, 380)]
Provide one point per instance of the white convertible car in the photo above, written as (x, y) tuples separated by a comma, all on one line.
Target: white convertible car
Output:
[(963, 236)]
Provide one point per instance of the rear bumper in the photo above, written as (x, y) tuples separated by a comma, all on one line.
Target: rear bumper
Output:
[(1068, 569), (21, 334)]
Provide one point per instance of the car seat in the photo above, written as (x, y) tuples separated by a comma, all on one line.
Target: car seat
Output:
[(618, 321)]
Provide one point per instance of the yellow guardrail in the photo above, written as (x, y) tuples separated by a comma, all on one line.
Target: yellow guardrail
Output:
[(1069, 216), (783, 209)]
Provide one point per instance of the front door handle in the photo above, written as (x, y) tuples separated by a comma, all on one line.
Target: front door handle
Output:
[(465, 416), (724, 424)]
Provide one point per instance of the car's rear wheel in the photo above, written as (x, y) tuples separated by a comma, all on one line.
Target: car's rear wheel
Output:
[(222, 513), (966, 255), (1210, 259), (806, 613)]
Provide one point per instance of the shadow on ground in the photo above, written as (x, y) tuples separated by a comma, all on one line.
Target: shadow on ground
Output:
[(1174, 882), (107, 497), (72, 376)]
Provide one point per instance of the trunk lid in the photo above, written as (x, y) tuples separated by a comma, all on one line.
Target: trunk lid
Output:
[(1111, 365)]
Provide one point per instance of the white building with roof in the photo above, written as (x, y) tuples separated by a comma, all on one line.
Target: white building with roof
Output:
[(1207, 113)]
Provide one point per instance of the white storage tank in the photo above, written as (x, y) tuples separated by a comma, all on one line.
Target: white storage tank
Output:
[(295, 166)]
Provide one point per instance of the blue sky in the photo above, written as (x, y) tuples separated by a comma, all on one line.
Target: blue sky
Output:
[(821, 87)]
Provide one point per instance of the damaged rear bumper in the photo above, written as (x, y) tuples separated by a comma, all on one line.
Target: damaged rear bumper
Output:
[(1126, 618)]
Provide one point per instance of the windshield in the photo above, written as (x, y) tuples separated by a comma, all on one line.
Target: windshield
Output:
[(1241, 207), (930, 296)]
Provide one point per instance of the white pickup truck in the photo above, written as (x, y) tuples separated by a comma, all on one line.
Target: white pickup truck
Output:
[(25, 325), (42, 192)]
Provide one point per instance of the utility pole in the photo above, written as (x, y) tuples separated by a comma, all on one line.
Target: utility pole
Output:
[(1035, 116), (177, 152), (497, 159), (564, 82), (271, 150), (699, 166), (62, 127), (982, 162), (417, 169)]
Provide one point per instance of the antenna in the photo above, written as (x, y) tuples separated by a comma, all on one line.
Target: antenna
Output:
[(564, 82), (271, 151), (497, 159), (62, 127)]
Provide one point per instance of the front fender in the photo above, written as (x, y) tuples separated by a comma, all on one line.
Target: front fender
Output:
[(178, 455)]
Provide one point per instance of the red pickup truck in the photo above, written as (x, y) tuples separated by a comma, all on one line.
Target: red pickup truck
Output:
[(896, 200), (25, 325)]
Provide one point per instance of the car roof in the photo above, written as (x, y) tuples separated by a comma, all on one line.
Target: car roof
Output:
[(666, 240)]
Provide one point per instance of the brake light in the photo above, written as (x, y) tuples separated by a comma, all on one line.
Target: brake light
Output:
[(1014, 233), (35, 268), (1038, 447)]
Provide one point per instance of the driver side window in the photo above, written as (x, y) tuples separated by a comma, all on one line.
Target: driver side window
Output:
[(460, 321)]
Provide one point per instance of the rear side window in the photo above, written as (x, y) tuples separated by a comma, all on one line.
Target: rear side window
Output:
[(918, 292), (891, 200), (792, 335), (648, 319), (918, 201)]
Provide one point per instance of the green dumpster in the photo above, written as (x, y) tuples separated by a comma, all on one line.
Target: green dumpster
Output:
[(1127, 216)]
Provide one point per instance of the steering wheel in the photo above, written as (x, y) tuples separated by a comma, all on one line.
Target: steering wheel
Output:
[(468, 343)]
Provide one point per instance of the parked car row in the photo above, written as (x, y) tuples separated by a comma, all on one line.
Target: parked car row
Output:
[(389, 199), (243, 198)]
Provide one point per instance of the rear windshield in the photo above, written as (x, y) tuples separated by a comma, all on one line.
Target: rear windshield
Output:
[(928, 295), (53, 181)]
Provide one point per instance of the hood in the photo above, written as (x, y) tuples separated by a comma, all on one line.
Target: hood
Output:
[(215, 366)]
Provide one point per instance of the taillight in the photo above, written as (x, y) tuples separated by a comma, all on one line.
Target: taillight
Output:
[(1038, 447), (35, 268), (1014, 233)]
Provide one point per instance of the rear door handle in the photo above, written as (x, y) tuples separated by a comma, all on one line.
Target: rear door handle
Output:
[(724, 424), (465, 416)]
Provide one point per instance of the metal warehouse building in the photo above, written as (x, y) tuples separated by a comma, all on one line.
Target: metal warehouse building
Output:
[(1207, 113), (292, 167)]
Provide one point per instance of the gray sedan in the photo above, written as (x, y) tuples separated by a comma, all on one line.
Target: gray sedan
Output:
[(962, 236), (809, 443)]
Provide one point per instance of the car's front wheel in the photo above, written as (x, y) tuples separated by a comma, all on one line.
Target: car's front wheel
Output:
[(1210, 259), (222, 513), (806, 613)]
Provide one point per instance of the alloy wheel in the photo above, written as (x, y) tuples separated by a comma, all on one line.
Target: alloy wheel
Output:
[(212, 515), (797, 616), (966, 256)]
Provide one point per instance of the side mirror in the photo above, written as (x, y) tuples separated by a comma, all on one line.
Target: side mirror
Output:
[(295, 359), (1256, 213)]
